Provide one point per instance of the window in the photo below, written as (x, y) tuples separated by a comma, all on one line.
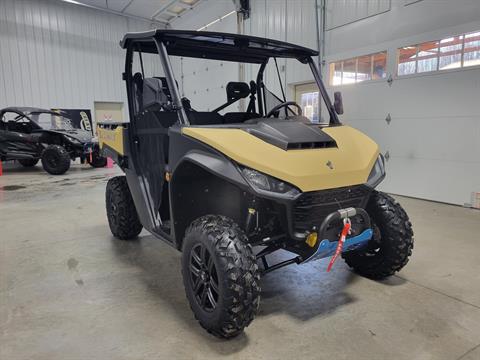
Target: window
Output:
[(358, 69), (306, 95), (471, 52), (449, 53), (309, 104)]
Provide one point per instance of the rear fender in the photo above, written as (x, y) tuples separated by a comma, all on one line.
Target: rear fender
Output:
[(113, 141)]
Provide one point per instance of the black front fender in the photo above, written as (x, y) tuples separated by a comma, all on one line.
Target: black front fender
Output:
[(205, 183), (215, 164)]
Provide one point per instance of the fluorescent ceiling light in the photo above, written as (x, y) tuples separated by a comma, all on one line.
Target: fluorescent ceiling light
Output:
[(217, 20), (176, 9)]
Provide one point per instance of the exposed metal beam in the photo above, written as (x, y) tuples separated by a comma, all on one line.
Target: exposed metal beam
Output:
[(114, 12), (126, 6)]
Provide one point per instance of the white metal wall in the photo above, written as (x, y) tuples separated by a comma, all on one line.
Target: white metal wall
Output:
[(342, 12), (292, 21), (59, 55), (434, 136), (203, 81)]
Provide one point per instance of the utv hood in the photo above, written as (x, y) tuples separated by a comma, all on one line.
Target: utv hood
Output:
[(342, 156), (83, 136)]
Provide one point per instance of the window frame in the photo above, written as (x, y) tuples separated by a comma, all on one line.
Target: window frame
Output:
[(332, 64), (437, 71)]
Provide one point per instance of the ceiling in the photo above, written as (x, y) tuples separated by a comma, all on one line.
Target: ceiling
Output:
[(163, 11)]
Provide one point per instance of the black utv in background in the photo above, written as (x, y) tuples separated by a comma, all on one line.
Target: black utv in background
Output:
[(30, 134)]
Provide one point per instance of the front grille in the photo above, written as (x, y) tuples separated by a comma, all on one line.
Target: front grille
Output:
[(312, 207)]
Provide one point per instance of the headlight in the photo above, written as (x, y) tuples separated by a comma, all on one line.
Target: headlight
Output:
[(378, 172), (264, 183)]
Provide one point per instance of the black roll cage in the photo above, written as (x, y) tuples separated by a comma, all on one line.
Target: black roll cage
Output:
[(138, 41), (27, 114)]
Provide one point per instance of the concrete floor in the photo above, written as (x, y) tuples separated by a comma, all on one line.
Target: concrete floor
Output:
[(68, 290)]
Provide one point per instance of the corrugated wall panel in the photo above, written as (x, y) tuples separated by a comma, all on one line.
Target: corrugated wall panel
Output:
[(301, 30), (56, 54), (342, 12), (293, 21)]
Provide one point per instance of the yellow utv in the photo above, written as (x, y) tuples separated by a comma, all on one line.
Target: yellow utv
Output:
[(230, 186)]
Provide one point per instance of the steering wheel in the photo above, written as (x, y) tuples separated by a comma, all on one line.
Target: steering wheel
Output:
[(284, 104)]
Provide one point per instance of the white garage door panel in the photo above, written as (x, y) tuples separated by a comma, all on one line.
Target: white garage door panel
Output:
[(432, 180), (448, 94), (436, 139), (451, 95), (365, 101), (205, 86), (434, 131)]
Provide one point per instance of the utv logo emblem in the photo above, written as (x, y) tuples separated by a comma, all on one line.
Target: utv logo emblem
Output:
[(329, 164)]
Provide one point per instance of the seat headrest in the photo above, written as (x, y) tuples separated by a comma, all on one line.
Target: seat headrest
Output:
[(154, 97), (237, 90), (138, 80), (165, 87)]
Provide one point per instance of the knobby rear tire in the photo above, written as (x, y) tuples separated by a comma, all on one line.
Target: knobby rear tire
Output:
[(121, 212)]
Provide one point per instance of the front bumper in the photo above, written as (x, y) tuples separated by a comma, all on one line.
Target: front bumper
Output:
[(326, 247), (310, 209)]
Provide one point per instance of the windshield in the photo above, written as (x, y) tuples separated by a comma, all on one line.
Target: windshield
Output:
[(49, 121), (205, 83), (211, 93)]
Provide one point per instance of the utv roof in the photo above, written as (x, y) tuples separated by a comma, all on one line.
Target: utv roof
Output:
[(26, 109), (32, 110), (215, 45)]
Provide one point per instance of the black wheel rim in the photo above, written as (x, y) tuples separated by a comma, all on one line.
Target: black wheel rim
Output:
[(203, 277)]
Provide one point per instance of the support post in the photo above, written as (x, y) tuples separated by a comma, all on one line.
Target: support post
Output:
[(241, 66), (172, 85)]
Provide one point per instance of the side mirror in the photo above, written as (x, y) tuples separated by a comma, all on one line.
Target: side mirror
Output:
[(338, 102)]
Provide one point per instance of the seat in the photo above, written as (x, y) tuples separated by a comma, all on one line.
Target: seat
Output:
[(156, 121)]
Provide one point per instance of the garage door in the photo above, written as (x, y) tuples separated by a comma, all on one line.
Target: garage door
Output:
[(429, 127)]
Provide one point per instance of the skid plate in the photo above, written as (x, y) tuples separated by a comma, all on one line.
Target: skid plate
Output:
[(327, 248)]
